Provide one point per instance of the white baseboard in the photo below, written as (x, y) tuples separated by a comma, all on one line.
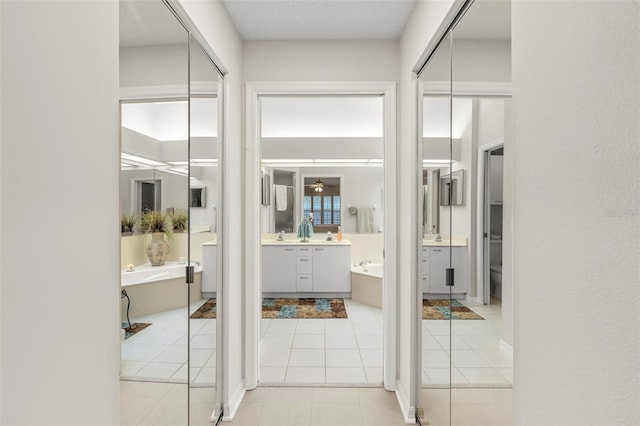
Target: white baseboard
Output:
[(504, 346), (231, 408), (408, 412)]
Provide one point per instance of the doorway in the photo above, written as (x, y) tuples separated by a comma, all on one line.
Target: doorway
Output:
[(258, 169)]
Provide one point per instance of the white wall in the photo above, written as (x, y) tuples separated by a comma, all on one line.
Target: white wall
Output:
[(330, 60), (214, 24), (422, 25), (155, 65), (576, 189), (59, 250)]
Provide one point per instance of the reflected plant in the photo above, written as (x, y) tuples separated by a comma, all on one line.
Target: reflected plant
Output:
[(153, 221), (127, 222), (178, 221)]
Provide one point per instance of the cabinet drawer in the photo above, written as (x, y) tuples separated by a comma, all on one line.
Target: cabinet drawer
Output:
[(426, 252), (426, 266), (304, 265), (426, 286), (303, 251), (304, 282)]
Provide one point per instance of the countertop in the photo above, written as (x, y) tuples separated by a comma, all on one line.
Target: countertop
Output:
[(211, 243), (455, 242), (312, 242)]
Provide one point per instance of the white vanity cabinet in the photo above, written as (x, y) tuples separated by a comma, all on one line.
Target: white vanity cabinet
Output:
[(435, 261), (209, 268), (331, 269), (309, 268), (278, 269)]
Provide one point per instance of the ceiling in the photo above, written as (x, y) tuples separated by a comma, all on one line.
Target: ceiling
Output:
[(144, 23), (319, 19)]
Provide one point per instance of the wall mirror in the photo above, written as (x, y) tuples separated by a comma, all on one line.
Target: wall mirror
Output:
[(170, 193), (452, 189)]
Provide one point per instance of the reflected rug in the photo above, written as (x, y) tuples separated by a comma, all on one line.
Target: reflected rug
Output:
[(206, 311), (312, 307), (135, 328), (438, 309)]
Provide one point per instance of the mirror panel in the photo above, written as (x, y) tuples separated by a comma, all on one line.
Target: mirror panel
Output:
[(437, 373), (203, 222), (481, 62), (154, 129)]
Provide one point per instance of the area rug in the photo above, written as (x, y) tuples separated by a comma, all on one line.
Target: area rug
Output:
[(206, 311), (438, 309), (318, 307), (135, 328)]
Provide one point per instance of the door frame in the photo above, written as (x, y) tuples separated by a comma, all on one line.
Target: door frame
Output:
[(252, 231), (482, 269)]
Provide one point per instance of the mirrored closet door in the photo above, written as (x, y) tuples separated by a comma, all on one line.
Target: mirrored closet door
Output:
[(465, 89), (171, 149)]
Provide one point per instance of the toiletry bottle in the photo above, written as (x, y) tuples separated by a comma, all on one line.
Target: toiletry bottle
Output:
[(339, 233)]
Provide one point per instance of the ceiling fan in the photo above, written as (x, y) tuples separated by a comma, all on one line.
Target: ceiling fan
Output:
[(318, 185)]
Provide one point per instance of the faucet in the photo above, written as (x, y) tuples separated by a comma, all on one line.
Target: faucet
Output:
[(365, 262)]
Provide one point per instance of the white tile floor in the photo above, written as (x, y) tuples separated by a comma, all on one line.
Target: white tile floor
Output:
[(164, 404), (318, 406), (468, 407), (476, 357), (319, 351), (159, 352)]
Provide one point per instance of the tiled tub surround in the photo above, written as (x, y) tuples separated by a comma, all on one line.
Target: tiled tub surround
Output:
[(157, 289), (159, 352)]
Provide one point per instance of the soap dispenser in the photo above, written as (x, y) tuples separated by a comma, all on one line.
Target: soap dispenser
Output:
[(339, 233)]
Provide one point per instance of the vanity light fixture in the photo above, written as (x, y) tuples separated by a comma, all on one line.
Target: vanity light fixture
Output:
[(324, 162)]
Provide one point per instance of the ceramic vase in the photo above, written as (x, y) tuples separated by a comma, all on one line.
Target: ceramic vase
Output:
[(157, 249)]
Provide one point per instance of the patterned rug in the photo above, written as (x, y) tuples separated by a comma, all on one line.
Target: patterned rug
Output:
[(206, 311), (303, 308), (286, 308), (135, 328), (438, 309)]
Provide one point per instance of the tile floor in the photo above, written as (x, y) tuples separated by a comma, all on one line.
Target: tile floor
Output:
[(159, 352), (164, 404), (319, 407), (476, 357), (321, 351), (468, 407)]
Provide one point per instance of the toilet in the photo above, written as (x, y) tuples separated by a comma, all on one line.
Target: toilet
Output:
[(495, 280)]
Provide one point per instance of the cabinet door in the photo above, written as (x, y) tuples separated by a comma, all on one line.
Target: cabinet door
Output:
[(278, 269), (439, 265), (331, 270), (461, 266), (209, 263)]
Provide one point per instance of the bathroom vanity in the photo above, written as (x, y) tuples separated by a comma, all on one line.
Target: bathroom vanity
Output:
[(313, 267), (435, 261)]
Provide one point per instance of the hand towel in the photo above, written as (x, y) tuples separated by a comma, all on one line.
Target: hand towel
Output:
[(364, 220), (281, 197)]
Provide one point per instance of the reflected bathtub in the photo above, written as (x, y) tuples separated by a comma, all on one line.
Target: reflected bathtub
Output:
[(366, 284)]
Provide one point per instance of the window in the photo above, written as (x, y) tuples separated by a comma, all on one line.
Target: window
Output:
[(325, 209)]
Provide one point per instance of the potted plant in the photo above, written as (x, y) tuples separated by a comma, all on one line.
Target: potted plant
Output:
[(158, 225), (179, 221), (127, 223)]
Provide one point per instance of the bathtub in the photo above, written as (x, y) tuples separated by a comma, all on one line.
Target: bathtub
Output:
[(145, 274), (366, 284), (154, 289)]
